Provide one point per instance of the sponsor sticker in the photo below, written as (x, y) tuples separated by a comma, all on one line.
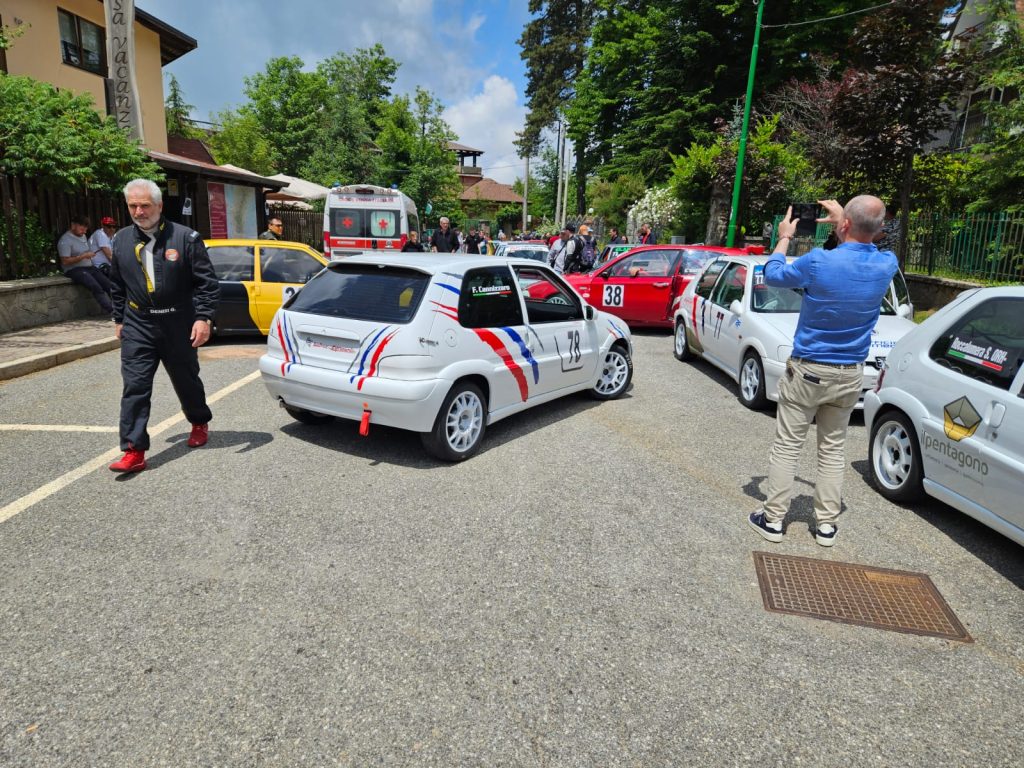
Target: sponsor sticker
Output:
[(987, 357)]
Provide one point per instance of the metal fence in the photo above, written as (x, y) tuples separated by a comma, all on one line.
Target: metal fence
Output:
[(302, 227), (986, 247)]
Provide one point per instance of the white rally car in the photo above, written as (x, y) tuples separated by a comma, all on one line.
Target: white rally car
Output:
[(440, 344), (947, 417), (732, 319)]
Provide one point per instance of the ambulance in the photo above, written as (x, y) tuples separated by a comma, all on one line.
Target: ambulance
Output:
[(364, 217)]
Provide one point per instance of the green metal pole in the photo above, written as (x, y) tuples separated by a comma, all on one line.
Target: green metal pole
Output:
[(730, 237)]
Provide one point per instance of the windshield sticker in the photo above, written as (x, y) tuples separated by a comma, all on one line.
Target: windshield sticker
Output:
[(758, 275), (492, 290), (989, 357)]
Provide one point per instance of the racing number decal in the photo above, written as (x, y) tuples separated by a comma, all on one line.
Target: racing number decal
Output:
[(572, 357), (614, 295)]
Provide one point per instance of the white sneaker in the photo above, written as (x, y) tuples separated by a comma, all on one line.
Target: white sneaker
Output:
[(825, 534)]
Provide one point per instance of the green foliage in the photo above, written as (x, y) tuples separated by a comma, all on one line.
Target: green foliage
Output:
[(62, 141), (431, 172), (177, 112), (944, 181), (287, 103), (242, 141), (39, 245), (775, 173), (613, 199), (1000, 171), (9, 34)]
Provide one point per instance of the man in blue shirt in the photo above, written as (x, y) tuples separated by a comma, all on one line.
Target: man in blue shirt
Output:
[(843, 290)]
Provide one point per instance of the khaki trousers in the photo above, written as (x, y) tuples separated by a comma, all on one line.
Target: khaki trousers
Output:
[(830, 400)]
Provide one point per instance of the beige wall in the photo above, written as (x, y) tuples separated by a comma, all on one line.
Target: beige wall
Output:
[(36, 53)]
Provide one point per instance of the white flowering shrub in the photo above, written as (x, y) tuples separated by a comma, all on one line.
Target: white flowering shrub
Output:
[(658, 207)]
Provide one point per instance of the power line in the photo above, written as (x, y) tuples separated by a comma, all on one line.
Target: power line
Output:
[(829, 18)]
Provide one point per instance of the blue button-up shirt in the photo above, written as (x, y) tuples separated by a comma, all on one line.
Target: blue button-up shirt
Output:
[(843, 291)]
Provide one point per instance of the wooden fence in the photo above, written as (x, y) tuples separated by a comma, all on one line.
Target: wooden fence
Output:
[(302, 226), (32, 219)]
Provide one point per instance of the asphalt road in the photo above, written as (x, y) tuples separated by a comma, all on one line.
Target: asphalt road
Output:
[(581, 593)]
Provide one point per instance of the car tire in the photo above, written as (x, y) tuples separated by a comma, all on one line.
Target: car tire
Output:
[(751, 383), (894, 456), (616, 373), (308, 417), (680, 344), (460, 424)]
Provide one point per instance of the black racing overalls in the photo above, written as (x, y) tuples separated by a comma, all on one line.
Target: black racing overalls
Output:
[(157, 319)]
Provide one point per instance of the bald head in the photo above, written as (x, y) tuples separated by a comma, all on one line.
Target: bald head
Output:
[(866, 213)]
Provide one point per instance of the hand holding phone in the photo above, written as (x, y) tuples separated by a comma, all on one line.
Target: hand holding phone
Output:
[(807, 215)]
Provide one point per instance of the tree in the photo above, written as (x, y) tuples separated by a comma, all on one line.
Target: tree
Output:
[(432, 174), (897, 94), (178, 112), (554, 47), (62, 141), (241, 140), (611, 200), (1000, 172), (288, 104), (661, 72)]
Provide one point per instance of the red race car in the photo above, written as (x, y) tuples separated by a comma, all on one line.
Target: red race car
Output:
[(641, 285)]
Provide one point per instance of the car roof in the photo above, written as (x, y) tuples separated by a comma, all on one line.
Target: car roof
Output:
[(695, 247), (249, 242), (431, 263)]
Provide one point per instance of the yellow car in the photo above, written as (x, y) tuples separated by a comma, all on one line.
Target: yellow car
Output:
[(256, 277)]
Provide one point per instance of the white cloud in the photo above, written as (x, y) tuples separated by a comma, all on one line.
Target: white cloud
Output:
[(488, 120)]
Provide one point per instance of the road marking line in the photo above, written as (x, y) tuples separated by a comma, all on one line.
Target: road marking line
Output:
[(53, 428), (52, 487)]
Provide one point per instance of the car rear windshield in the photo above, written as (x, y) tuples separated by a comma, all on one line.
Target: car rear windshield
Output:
[(370, 292), (360, 222), (774, 300)]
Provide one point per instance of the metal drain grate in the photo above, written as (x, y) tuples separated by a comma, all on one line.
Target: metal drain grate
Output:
[(900, 601)]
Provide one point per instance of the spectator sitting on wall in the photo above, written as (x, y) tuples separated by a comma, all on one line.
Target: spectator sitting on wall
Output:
[(99, 243), (76, 261)]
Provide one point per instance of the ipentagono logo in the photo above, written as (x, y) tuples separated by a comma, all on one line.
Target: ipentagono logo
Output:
[(961, 419)]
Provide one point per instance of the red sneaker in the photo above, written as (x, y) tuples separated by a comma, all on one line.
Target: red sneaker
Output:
[(199, 435), (132, 461)]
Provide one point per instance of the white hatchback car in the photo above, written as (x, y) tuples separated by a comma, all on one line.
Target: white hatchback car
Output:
[(730, 317), (441, 344), (948, 414)]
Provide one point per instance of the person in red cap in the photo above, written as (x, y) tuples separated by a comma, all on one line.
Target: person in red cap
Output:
[(99, 244)]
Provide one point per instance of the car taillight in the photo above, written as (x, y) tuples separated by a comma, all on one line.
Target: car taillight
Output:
[(881, 378)]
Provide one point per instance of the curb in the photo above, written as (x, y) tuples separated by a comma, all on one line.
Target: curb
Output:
[(26, 365)]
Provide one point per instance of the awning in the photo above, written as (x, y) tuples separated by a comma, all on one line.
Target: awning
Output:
[(211, 171)]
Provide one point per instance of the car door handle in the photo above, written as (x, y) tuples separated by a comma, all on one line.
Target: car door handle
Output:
[(661, 285), (995, 415)]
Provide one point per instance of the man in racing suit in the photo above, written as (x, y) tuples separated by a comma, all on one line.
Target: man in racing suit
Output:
[(165, 294)]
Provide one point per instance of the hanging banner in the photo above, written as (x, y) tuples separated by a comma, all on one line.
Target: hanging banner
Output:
[(218, 210), (121, 62)]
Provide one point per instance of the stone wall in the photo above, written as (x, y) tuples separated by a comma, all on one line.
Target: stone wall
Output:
[(928, 292), (42, 300)]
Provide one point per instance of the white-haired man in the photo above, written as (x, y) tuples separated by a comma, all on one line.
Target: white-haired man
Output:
[(444, 239), (842, 295), (165, 294)]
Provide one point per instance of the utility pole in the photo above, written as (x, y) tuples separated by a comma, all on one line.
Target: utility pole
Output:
[(526, 194), (558, 188), (730, 236), (565, 186)]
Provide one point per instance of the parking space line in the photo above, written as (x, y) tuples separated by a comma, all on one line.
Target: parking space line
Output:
[(53, 428), (52, 487)]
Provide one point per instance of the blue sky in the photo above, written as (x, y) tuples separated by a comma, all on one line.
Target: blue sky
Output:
[(465, 52)]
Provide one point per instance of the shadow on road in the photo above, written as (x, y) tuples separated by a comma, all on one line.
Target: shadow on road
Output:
[(993, 549), (389, 445), (801, 506), (246, 441)]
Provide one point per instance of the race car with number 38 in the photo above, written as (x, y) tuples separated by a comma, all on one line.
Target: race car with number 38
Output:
[(641, 285), (440, 344), (730, 317)]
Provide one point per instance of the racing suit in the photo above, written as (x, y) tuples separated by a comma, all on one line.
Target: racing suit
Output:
[(157, 311)]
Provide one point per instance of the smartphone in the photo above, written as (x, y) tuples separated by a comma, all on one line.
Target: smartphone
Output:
[(806, 215)]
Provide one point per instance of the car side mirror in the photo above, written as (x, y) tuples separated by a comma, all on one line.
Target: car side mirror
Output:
[(903, 310), (589, 312), (736, 307)]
